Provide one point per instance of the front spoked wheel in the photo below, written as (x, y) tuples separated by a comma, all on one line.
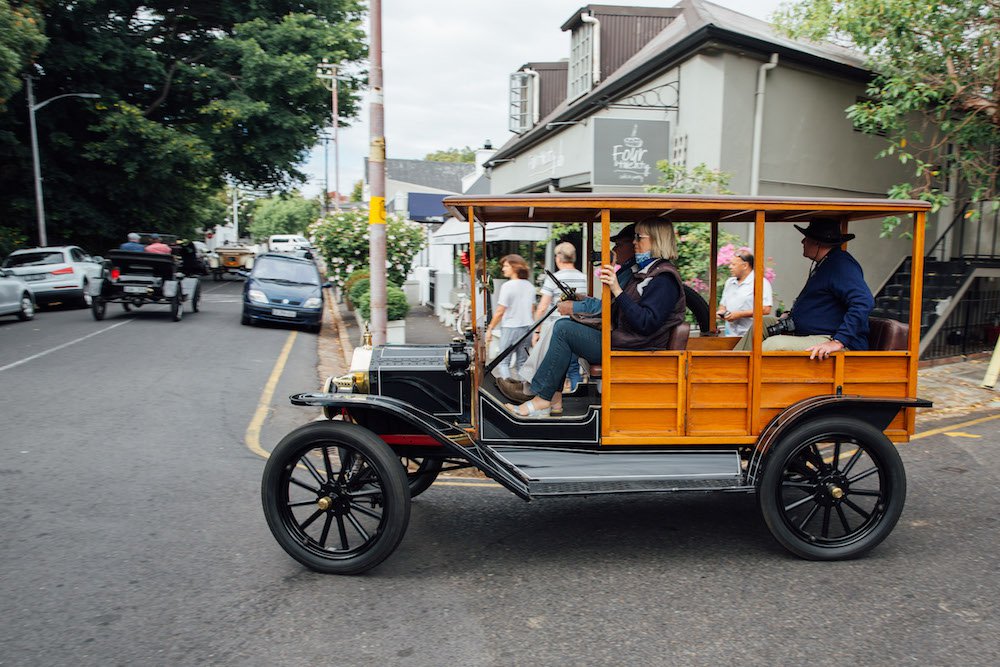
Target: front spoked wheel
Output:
[(335, 497), (832, 489)]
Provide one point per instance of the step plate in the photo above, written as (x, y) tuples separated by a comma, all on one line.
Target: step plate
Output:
[(562, 472)]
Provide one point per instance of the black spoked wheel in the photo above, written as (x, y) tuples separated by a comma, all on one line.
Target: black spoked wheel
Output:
[(335, 497), (420, 473), (127, 307), (98, 307), (832, 489)]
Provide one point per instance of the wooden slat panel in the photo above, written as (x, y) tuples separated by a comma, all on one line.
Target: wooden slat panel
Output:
[(876, 369), (639, 393), (891, 390), (720, 421), (779, 369), (720, 343), (781, 395), (714, 367), (655, 368), (643, 421), (729, 395)]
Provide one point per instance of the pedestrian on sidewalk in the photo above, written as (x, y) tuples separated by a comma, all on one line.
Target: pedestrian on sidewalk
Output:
[(515, 304)]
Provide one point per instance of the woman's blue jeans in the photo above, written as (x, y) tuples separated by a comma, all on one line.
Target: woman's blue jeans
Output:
[(570, 339)]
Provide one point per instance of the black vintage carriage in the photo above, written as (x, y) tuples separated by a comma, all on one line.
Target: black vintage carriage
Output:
[(134, 279), (812, 440)]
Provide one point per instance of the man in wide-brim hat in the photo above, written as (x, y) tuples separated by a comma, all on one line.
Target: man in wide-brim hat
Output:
[(831, 312)]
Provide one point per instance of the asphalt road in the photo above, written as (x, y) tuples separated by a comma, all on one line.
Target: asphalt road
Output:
[(132, 534)]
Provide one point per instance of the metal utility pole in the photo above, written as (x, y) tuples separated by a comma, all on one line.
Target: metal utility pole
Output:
[(43, 239), (376, 182), (327, 72)]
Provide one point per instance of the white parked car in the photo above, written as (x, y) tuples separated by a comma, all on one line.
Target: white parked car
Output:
[(287, 243), (15, 296), (56, 273)]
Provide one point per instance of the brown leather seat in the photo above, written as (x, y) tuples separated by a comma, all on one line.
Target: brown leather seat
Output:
[(678, 341), (886, 334)]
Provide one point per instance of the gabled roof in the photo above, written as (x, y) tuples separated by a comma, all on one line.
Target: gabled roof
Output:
[(698, 24), (438, 175)]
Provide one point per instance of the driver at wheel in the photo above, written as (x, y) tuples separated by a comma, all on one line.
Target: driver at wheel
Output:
[(643, 314)]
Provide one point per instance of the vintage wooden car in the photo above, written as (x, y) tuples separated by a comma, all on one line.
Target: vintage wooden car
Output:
[(134, 279), (230, 259), (812, 440)]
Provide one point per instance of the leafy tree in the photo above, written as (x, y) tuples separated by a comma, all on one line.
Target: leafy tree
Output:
[(282, 215), (21, 39), (452, 155), (342, 237), (358, 191), (193, 94), (937, 75)]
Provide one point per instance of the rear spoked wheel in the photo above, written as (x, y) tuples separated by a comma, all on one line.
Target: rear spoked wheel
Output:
[(335, 497), (832, 489), (98, 307), (420, 473)]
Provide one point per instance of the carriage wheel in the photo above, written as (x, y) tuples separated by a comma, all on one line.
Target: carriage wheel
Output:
[(832, 489), (420, 473), (98, 307), (127, 307), (335, 497)]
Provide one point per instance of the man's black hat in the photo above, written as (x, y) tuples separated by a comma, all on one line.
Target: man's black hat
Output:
[(825, 231), (627, 233)]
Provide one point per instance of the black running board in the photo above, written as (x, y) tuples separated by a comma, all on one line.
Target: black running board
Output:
[(555, 472)]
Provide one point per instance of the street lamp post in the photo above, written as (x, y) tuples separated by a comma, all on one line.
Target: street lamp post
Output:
[(32, 108)]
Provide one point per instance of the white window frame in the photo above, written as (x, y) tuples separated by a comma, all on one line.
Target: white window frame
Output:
[(523, 101), (581, 60)]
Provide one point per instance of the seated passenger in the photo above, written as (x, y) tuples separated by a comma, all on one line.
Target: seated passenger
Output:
[(831, 312), (642, 315)]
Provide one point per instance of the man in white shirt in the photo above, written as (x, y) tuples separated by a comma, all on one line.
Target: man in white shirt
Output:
[(566, 272), (736, 305)]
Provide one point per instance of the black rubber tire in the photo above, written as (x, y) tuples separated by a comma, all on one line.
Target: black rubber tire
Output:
[(379, 477), (797, 465), (27, 311), (698, 308), (245, 319), (85, 300), (421, 474), (314, 328), (98, 308), (216, 276), (127, 307), (177, 306)]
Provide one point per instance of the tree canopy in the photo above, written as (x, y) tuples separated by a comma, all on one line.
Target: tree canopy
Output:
[(193, 94), (452, 155), (282, 215), (934, 94), (21, 38)]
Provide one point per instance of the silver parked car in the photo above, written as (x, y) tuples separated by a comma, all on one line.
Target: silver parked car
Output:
[(56, 273), (15, 296)]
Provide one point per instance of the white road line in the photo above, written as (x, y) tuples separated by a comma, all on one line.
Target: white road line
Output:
[(59, 347)]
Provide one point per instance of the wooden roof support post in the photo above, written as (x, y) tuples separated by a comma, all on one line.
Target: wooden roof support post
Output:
[(916, 301), (480, 363), (587, 252), (605, 324), (758, 324), (713, 279)]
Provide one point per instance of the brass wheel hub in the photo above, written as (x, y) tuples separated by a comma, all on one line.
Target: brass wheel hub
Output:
[(324, 503)]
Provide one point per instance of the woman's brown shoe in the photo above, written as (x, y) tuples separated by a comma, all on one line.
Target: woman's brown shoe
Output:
[(513, 389)]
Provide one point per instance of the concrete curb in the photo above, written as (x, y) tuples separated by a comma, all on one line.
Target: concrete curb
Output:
[(345, 342)]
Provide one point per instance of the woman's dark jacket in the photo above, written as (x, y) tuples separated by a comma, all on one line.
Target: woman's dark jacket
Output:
[(644, 322)]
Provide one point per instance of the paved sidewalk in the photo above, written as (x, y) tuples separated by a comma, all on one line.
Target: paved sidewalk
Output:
[(954, 388)]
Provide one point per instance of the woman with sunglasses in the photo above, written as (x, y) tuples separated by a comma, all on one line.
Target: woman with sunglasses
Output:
[(643, 312)]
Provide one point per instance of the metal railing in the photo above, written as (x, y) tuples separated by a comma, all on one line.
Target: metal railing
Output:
[(984, 225)]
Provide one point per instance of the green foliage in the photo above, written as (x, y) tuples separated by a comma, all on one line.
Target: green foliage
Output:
[(349, 283), (396, 304), (11, 240), (934, 96), (359, 287), (282, 215), (358, 191), (678, 179), (452, 155), (21, 39), (342, 237), (192, 95)]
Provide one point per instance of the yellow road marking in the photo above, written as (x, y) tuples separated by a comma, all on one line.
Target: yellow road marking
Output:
[(252, 438), (953, 427), (961, 434)]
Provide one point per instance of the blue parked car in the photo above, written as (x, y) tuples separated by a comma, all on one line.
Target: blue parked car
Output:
[(284, 288)]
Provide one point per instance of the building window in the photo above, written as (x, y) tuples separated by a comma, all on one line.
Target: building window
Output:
[(523, 101), (581, 60)]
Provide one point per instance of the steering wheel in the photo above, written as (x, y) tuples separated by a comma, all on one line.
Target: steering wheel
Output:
[(568, 292)]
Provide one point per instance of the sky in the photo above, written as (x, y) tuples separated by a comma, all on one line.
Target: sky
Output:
[(445, 73)]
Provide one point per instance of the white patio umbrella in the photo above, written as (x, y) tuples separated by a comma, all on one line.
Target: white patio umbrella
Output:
[(456, 232)]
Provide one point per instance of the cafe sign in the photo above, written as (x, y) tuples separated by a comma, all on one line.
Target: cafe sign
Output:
[(626, 151)]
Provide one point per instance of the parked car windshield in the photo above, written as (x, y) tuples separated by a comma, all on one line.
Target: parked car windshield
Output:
[(284, 271), (34, 259)]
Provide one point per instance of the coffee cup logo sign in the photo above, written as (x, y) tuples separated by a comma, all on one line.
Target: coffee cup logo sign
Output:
[(626, 151), (629, 160)]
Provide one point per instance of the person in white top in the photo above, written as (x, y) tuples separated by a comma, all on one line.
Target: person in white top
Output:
[(566, 272), (736, 305), (513, 313)]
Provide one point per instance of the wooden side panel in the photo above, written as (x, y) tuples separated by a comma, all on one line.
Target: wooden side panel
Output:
[(718, 394), (648, 394)]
